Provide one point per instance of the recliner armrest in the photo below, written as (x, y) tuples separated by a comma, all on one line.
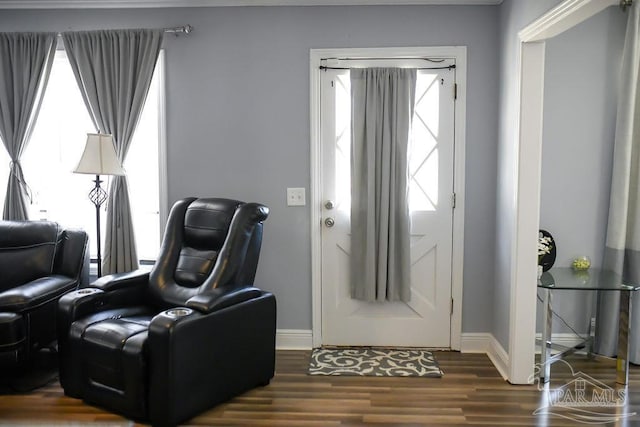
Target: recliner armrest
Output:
[(77, 304), (219, 298), (36, 293), (236, 344), (112, 291), (117, 281)]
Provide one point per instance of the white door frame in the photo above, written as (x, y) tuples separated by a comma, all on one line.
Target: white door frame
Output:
[(460, 55), (527, 163)]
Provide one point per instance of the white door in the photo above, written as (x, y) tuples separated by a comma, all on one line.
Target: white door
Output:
[(425, 321)]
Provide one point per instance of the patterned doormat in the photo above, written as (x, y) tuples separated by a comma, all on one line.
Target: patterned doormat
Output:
[(373, 362)]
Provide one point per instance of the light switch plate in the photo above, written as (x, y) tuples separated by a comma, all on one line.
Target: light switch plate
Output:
[(296, 197)]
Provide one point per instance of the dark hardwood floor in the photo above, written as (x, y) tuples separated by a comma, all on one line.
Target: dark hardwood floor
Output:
[(471, 392)]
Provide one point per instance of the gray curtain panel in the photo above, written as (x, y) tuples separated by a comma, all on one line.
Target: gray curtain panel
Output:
[(114, 70), (25, 65), (382, 102), (622, 251)]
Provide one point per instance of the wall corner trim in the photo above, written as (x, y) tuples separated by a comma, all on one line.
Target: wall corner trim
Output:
[(485, 342)]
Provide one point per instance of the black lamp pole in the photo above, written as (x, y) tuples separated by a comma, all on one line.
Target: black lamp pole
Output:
[(98, 196), (99, 158)]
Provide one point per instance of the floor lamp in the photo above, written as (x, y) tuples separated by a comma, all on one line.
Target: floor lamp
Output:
[(99, 158)]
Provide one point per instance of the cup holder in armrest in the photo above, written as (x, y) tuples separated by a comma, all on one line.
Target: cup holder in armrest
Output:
[(178, 312)]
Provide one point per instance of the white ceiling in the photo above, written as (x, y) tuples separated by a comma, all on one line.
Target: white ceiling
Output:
[(105, 4)]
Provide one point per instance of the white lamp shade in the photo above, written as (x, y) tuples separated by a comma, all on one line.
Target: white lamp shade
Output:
[(99, 156)]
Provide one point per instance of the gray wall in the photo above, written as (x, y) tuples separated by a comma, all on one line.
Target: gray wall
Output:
[(581, 82), (514, 16), (582, 68), (238, 117), (580, 79)]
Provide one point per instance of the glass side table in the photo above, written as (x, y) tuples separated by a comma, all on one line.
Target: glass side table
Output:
[(592, 279)]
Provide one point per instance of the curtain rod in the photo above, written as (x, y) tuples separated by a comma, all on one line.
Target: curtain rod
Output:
[(184, 29), (392, 58), (625, 3), (447, 67)]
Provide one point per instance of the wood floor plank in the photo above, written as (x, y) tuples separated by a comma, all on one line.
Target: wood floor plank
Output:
[(471, 392)]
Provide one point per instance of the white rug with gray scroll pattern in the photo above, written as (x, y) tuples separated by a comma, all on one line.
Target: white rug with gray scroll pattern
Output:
[(373, 362)]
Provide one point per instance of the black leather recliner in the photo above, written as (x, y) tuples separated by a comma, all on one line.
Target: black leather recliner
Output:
[(39, 262), (166, 345)]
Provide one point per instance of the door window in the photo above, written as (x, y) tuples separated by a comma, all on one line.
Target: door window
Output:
[(423, 144)]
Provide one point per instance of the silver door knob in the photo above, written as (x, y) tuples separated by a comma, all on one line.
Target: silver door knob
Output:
[(329, 205), (329, 222)]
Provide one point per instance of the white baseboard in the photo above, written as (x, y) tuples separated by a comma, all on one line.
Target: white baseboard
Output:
[(499, 357), (475, 342), (485, 342), (294, 339)]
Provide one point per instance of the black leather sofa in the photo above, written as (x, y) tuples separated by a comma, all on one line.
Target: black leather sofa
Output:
[(164, 346), (39, 262)]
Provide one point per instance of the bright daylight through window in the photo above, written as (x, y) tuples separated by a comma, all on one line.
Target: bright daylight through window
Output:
[(423, 147), (55, 148)]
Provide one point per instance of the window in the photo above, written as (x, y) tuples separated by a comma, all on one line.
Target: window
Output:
[(423, 144), (56, 144)]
